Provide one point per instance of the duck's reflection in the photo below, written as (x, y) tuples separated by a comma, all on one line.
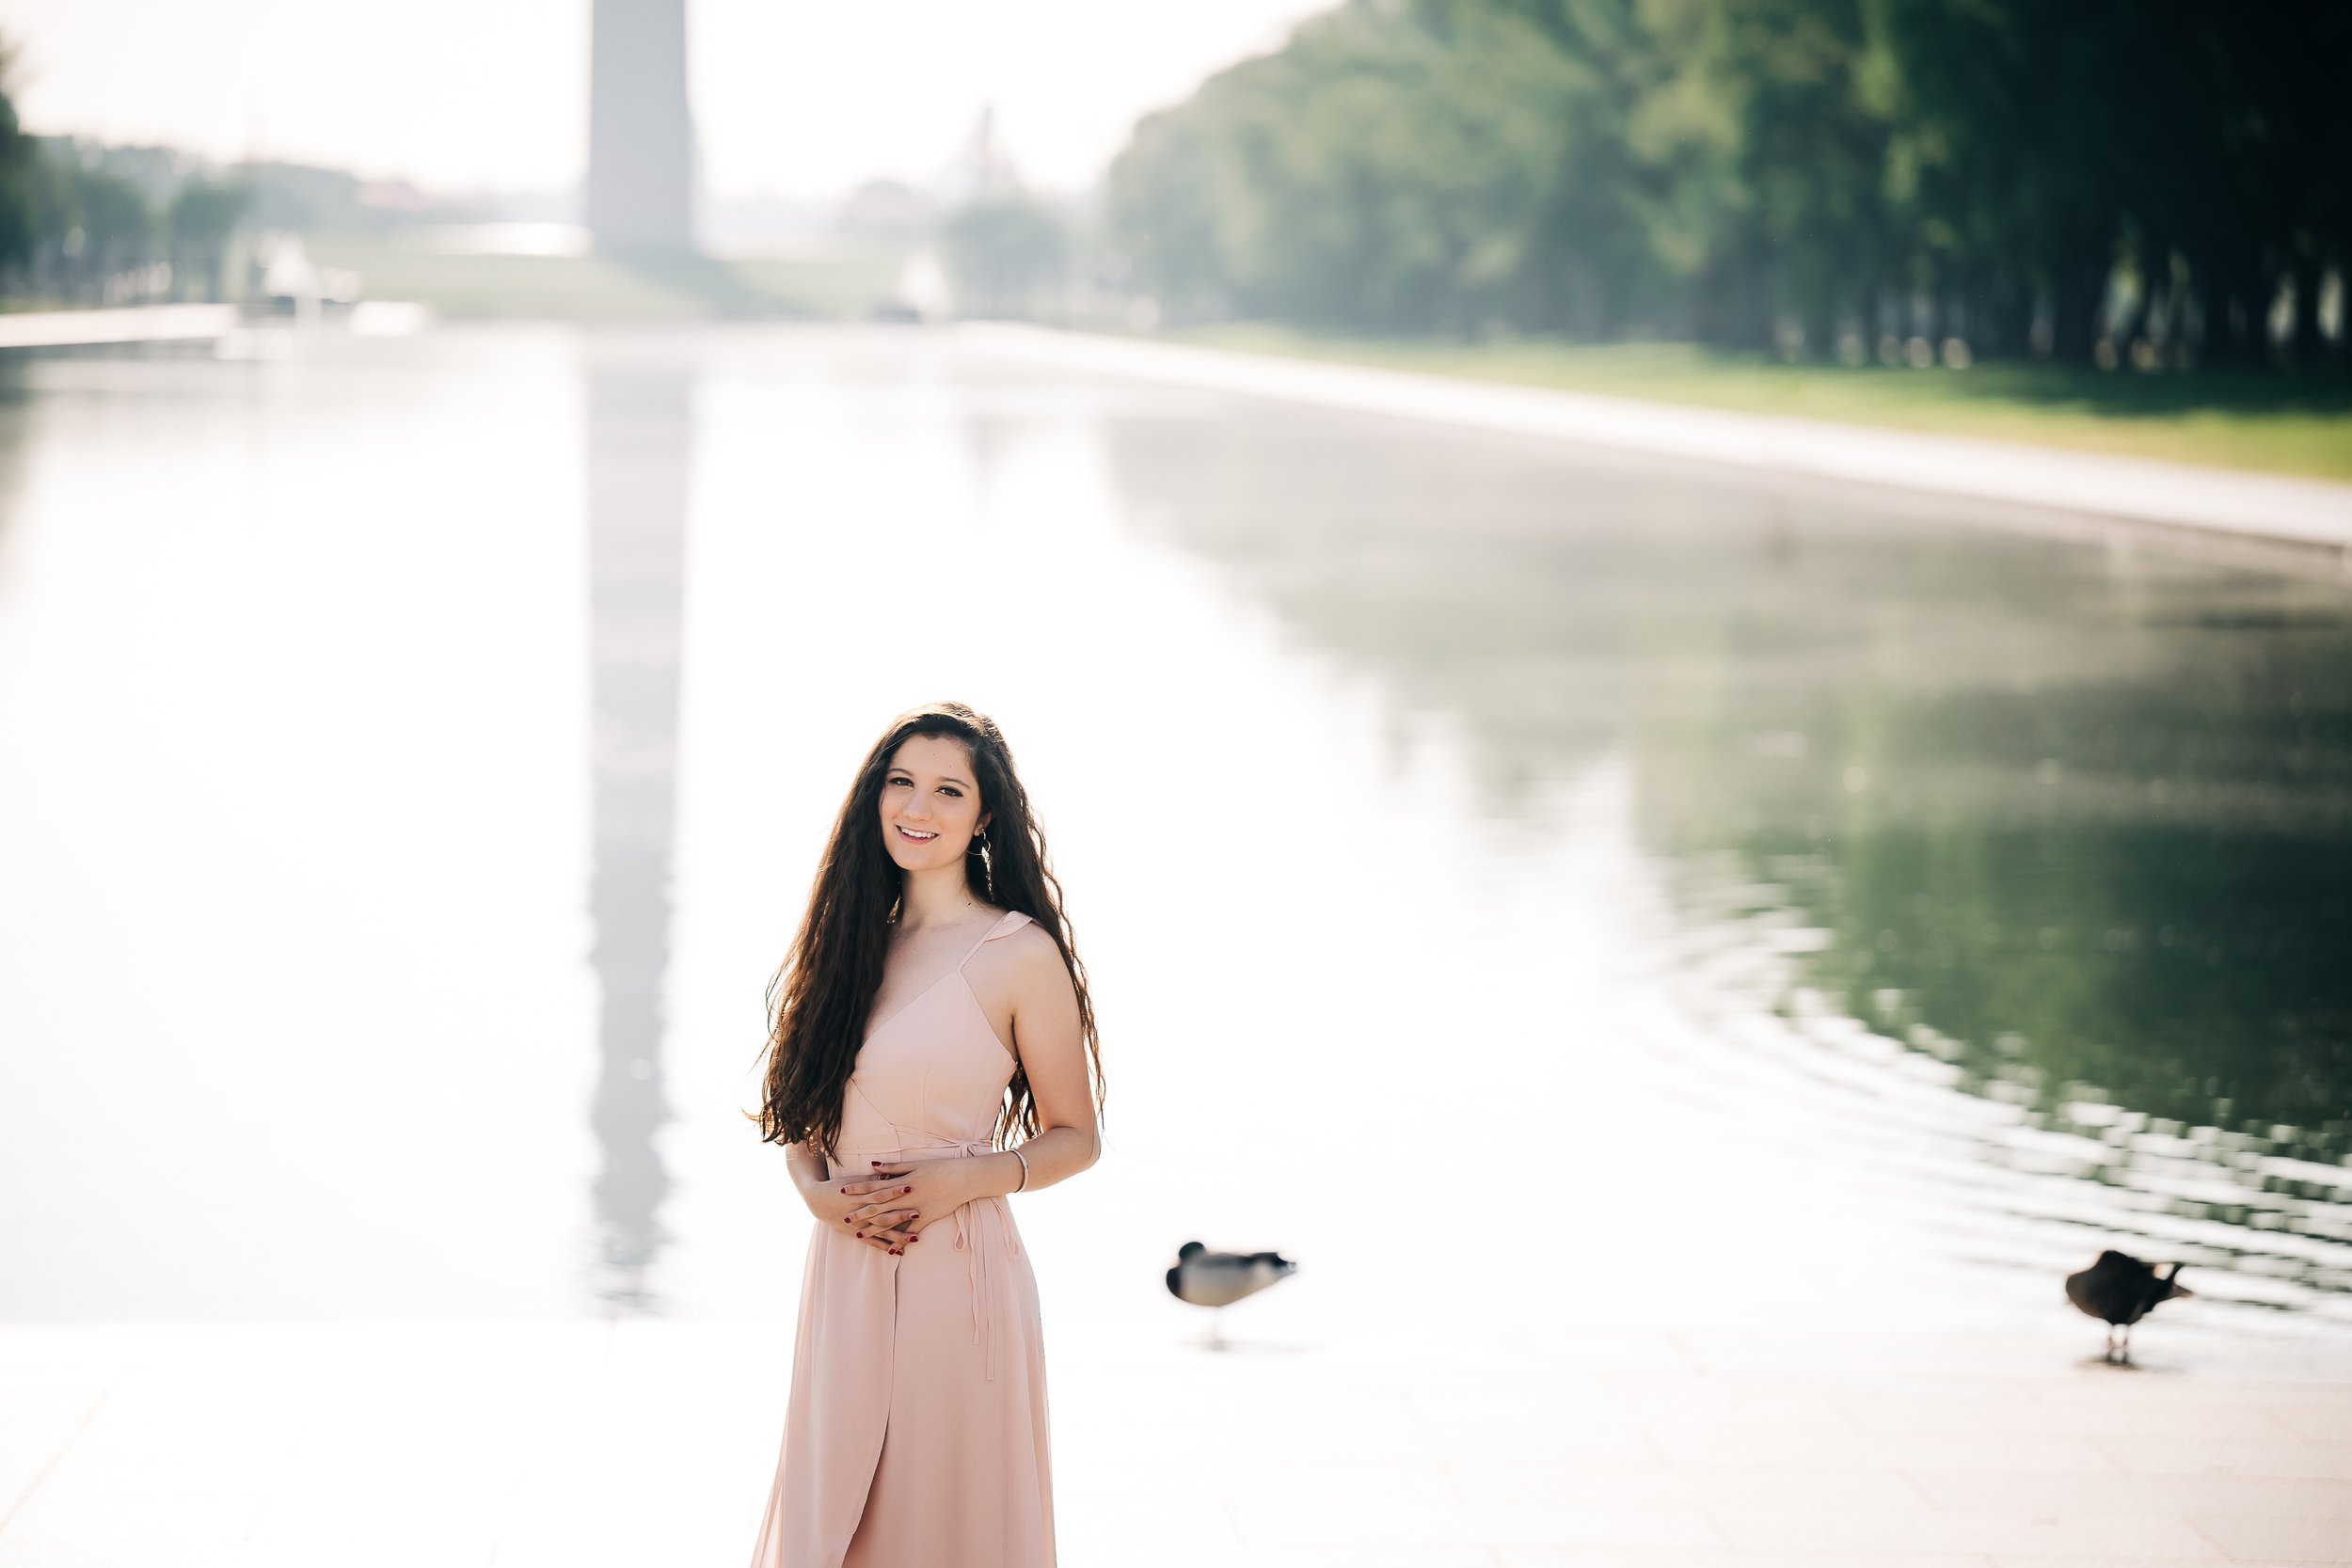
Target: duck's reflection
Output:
[(637, 450)]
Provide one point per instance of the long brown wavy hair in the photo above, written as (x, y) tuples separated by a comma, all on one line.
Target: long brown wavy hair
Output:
[(821, 994)]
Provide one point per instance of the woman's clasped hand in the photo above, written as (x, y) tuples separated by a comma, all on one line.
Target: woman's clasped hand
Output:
[(890, 1209)]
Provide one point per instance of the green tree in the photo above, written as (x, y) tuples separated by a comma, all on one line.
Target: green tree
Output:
[(202, 216), (18, 177), (1004, 255), (1750, 171), (113, 229)]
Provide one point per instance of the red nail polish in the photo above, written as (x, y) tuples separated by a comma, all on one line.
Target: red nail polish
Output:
[(906, 1189)]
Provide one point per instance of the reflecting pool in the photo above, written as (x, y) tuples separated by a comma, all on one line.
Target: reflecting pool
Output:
[(1537, 889)]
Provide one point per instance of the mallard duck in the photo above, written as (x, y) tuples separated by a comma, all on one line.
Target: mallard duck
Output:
[(2118, 1289), (1219, 1280)]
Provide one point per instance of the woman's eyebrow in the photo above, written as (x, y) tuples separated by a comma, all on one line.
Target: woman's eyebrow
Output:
[(944, 778)]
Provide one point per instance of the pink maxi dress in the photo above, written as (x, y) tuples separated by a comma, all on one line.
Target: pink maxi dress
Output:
[(916, 1435)]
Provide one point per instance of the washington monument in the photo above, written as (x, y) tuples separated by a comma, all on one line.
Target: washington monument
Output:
[(641, 131)]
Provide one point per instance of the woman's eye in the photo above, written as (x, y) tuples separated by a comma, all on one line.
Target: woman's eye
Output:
[(955, 793)]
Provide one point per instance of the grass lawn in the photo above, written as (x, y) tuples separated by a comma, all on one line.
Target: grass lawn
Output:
[(2280, 423)]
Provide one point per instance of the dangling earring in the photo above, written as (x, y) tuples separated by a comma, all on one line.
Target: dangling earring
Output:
[(988, 863)]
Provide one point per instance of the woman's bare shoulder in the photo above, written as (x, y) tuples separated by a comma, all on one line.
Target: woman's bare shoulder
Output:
[(1031, 953), (1029, 940)]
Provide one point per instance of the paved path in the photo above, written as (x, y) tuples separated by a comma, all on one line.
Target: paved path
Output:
[(648, 1442), (2305, 511), (177, 324), (135, 324)]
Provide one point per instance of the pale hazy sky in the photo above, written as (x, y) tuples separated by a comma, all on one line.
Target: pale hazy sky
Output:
[(798, 100)]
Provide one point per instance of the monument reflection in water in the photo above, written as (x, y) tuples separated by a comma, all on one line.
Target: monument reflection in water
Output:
[(639, 439)]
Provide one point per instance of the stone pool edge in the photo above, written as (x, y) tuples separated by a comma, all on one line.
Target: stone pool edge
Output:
[(2276, 507)]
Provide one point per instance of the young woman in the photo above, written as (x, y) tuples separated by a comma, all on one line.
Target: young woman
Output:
[(931, 1013)]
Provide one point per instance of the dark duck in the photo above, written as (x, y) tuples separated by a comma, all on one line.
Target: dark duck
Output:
[(2118, 1289), (1219, 1280)]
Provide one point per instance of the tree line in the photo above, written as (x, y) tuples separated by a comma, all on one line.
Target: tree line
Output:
[(2170, 179), (82, 225)]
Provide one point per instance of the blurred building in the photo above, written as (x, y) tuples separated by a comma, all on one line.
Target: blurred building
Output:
[(982, 169)]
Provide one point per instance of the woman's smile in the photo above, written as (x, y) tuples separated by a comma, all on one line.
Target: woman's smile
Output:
[(915, 835)]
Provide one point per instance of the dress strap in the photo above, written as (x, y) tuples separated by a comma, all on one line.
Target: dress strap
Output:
[(996, 929)]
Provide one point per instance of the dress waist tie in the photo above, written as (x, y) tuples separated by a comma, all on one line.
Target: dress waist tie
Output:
[(976, 1266)]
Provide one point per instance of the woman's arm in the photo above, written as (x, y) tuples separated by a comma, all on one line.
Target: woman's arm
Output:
[(1053, 1051), (808, 1172)]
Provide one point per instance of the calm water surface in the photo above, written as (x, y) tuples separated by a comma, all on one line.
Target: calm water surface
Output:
[(1539, 890)]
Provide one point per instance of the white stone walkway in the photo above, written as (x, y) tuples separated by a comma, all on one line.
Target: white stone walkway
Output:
[(225, 326), (651, 1443), (130, 324), (2266, 506)]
